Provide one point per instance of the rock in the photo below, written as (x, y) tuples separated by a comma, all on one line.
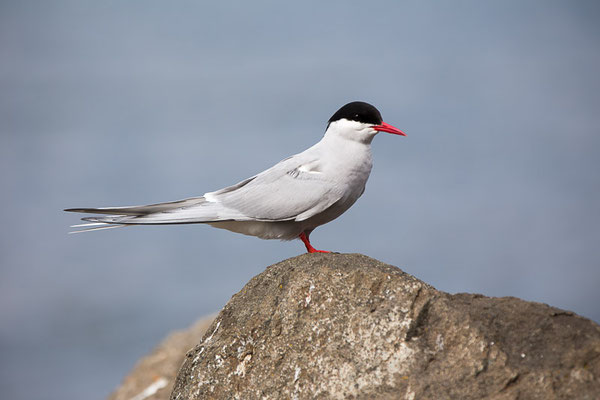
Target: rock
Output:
[(153, 376), (347, 326)]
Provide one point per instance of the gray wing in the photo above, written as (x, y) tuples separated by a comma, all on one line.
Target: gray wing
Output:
[(294, 189), (140, 210), (291, 190)]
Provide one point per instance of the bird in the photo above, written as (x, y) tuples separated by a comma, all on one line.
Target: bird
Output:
[(287, 201)]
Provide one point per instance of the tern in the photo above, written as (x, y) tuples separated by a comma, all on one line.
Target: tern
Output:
[(288, 200)]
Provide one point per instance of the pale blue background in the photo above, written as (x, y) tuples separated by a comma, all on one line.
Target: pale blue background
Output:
[(495, 189)]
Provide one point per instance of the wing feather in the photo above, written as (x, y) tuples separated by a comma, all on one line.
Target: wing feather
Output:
[(140, 210), (293, 189), (284, 192)]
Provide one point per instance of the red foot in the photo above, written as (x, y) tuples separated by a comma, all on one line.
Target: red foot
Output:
[(309, 248)]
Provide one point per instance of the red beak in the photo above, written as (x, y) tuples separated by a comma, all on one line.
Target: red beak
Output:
[(388, 128)]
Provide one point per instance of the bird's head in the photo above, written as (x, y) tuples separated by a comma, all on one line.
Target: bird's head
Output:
[(359, 121)]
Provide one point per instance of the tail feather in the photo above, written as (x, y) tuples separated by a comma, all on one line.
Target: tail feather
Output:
[(88, 225), (192, 210), (189, 211), (95, 227)]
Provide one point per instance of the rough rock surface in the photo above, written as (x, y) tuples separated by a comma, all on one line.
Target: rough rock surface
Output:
[(347, 326), (153, 376)]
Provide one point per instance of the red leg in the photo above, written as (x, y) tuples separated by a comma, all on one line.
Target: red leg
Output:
[(309, 248)]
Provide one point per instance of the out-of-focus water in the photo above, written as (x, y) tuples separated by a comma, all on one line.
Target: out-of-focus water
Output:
[(494, 190)]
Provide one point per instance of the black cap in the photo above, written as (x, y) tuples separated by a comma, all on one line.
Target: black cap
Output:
[(358, 111)]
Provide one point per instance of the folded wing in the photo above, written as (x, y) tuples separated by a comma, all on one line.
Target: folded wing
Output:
[(290, 190)]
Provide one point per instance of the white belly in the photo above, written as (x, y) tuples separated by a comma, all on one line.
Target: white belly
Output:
[(286, 230)]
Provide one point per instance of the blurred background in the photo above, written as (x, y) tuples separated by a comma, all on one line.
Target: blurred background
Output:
[(495, 190)]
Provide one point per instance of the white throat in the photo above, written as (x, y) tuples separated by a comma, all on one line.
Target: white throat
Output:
[(351, 130)]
